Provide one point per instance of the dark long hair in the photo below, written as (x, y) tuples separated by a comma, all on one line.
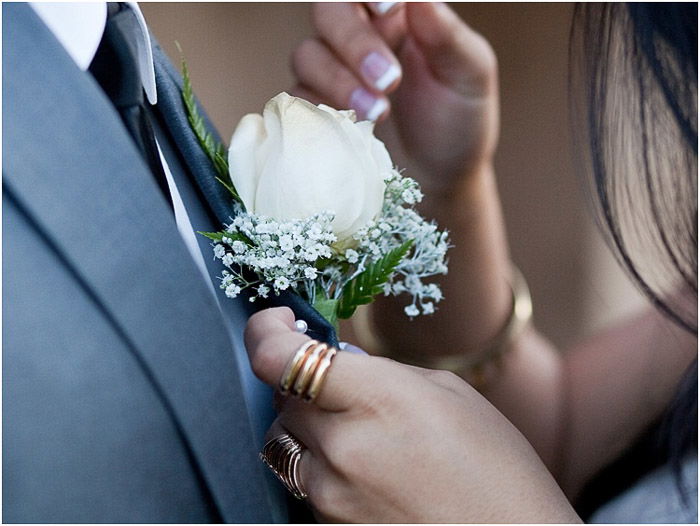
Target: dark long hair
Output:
[(633, 87), (634, 81)]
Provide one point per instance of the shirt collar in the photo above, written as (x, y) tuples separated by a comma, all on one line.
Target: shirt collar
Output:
[(79, 28)]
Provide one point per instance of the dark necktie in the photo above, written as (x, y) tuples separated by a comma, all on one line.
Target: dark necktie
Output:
[(116, 69)]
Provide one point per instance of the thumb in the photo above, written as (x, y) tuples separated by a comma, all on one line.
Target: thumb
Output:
[(456, 54), (272, 343)]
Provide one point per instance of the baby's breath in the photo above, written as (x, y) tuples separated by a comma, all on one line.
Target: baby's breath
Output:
[(303, 255), (280, 255), (398, 224)]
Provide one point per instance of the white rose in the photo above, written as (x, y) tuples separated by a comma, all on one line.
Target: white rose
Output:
[(296, 160)]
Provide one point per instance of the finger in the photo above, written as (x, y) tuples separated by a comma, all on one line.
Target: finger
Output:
[(316, 67), (349, 33), (314, 425), (271, 344), (279, 401), (456, 54), (382, 8), (276, 429), (444, 379), (389, 21), (311, 424), (266, 330), (349, 347), (312, 468)]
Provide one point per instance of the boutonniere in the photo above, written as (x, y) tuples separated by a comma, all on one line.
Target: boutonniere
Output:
[(319, 208)]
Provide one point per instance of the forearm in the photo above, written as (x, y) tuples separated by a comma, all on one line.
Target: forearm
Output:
[(527, 386), (583, 407), (478, 301), (615, 385)]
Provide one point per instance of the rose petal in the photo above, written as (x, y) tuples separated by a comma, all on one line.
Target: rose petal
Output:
[(307, 160), (248, 136)]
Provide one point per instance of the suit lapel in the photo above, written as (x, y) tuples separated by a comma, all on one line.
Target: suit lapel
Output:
[(171, 108), (235, 312), (70, 163)]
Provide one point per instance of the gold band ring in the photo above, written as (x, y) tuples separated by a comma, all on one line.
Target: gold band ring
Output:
[(294, 366), (307, 370), (320, 374), (282, 455)]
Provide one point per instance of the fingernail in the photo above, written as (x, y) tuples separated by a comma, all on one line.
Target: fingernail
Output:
[(379, 70), (348, 347), (382, 8), (367, 105)]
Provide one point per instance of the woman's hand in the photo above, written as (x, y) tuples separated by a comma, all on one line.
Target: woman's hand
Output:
[(392, 443), (442, 77)]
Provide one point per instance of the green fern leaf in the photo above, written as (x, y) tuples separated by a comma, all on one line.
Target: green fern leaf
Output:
[(230, 188), (328, 309), (368, 284), (214, 150), (218, 236), (214, 236)]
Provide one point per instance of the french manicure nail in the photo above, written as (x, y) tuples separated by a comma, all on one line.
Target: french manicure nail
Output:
[(382, 8), (348, 347), (380, 71), (367, 105)]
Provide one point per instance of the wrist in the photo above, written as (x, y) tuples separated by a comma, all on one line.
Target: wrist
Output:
[(476, 365), (462, 194)]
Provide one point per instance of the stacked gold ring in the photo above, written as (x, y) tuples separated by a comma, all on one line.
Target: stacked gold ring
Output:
[(307, 370), (282, 455)]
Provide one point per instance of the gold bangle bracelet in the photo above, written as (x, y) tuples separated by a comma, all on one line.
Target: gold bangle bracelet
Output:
[(473, 362)]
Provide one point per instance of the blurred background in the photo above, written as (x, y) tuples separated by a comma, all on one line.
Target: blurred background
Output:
[(238, 55)]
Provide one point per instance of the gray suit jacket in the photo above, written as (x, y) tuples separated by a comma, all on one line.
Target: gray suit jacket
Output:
[(122, 396)]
